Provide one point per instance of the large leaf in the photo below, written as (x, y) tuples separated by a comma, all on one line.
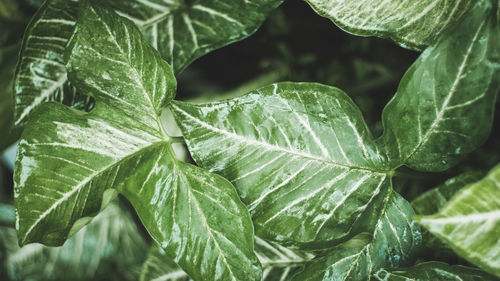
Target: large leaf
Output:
[(300, 155), (41, 72), (392, 243), (412, 24), (435, 271), (67, 159), (432, 121), (278, 262), (184, 30), (110, 246), (470, 223)]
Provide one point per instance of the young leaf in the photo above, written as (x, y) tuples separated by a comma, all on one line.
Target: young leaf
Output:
[(412, 24), (435, 271), (470, 223), (41, 72), (185, 30), (299, 154), (392, 243), (432, 120), (67, 159), (110, 246)]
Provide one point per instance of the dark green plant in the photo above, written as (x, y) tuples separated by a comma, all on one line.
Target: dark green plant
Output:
[(289, 180)]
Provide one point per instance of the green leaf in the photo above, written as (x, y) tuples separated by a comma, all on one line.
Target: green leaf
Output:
[(8, 59), (271, 144), (68, 160), (278, 262), (470, 223), (435, 271), (159, 266), (41, 72), (181, 32), (185, 30), (109, 246), (433, 200), (392, 243), (432, 121), (412, 24)]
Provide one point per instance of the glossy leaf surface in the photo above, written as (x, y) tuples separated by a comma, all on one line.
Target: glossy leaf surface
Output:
[(278, 262), (41, 73), (412, 24), (432, 121), (470, 223), (392, 243), (67, 159), (110, 246), (272, 145), (435, 271), (184, 30)]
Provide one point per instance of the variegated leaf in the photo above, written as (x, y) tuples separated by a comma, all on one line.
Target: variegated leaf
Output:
[(470, 222), (433, 271), (69, 160), (299, 154), (41, 73), (392, 243), (412, 24), (184, 30), (432, 121)]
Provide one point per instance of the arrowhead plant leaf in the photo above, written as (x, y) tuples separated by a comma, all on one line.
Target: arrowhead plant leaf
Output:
[(69, 160), (432, 120), (392, 243), (41, 72), (303, 159), (435, 271), (470, 222), (182, 32), (412, 24)]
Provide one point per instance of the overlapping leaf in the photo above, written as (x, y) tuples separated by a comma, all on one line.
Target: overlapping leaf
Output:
[(432, 120), (67, 159), (435, 271), (300, 155), (41, 72), (110, 242), (412, 24), (392, 243), (278, 262), (184, 30), (470, 223)]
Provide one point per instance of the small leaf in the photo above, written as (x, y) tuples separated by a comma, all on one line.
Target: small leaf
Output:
[(392, 244), (412, 24), (109, 246), (470, 223), (299, 154), (435, 271), (68, 160), (41, 73), (185, 30), (432, 121)]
